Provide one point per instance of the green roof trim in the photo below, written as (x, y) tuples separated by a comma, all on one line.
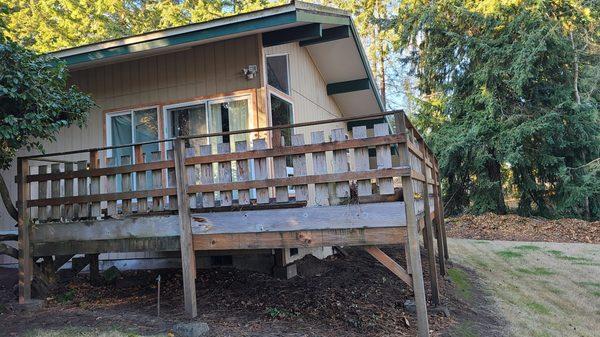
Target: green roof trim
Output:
[(233, 28), (299, 33), (348, 86), (331, 34)]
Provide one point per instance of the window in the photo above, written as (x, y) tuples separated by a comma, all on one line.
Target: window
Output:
[(281, 114), (277, 73), (133, 126)]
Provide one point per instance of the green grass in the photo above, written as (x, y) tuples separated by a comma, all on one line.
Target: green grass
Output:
[(527, 247), (463, 286), (539, 271), (509, 254), (577, 259), (482, 242), (589, 284), (537, 308), (65, 297), (464, 329)]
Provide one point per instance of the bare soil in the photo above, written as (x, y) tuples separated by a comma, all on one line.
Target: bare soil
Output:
[(512, 227), (343, 295)]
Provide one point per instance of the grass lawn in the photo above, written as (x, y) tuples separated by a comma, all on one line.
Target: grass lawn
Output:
[(542, 289)]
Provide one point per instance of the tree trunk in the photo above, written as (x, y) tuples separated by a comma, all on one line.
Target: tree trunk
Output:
[(7, 201), (495, 174)]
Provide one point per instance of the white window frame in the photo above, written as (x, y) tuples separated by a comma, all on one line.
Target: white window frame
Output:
[(289, 75), (167, 123), (130, 112)]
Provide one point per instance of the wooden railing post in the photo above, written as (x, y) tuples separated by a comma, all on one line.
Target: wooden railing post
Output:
[(413, 233), (441, 224), (439, 218), (188, 261), (428, 230), (25, 253)]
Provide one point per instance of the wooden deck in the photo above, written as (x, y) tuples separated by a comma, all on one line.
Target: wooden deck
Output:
[(193, 196)]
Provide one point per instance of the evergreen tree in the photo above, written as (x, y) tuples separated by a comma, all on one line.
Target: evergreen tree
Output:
[(509, 91)]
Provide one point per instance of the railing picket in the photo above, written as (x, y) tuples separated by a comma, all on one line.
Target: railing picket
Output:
[(206, 177), (171, 182), (83, 209), (320, 167), (191, 176), (126, 186), (340, 164), (384, 159), (111, 184), (299, 164), (280, 169), (69, 192), (224, 169), (157, 202), (141, 180), (261, 172), (361, 161), (42, 194), (55, 211), (95, 185), (243, 173)]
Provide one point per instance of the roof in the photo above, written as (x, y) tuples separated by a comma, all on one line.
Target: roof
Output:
[(327, 33)]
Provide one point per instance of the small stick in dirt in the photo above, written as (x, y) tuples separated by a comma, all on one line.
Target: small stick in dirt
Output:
[(158, 297)]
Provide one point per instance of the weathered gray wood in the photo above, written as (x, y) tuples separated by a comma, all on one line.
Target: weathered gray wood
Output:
[(157, 202), (154, 244), (206, 177), (224, 169), (428, 236), (126, 205), (111, 186), (171, 182), (412, 229), (25, 254), (55, 211), (141, 181), (95, 209), (69, 192), (320, 167), (191, 176), (340, 164), (82, 209), (299, 164), (261, 172), (280, 171), (243, 173), (390, 264), (42, 194), (384, 159), (438, 225), (188, 262), (377, 215), (361, 161)]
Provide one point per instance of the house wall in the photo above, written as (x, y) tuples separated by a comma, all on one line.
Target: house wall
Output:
[(204, 71)]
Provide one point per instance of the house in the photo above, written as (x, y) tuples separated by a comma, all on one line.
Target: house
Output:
[(289, 64), (191, 128)]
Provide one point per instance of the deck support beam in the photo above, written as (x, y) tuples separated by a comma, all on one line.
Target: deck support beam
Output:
[(439, 219), (188, 259), (390, 264), (412, 228), (428, 231), (25, 256)]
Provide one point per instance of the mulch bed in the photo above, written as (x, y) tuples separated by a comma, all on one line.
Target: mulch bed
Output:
[(512, 227), (349, 295)]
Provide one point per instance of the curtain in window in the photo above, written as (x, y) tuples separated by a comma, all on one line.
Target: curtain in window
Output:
[(146, 129), (120, 127)]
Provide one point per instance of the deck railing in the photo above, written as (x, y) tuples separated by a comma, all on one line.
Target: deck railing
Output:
[(254, 173)]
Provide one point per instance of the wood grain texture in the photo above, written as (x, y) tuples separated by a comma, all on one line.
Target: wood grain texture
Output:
[(224, 172), (261, 172), (299, 164), (243, 173), (55, 210), (83, 209), (111, 187), (340, 164), (390, 264), (384, 159), (42, 194), (361, 161), (320, 168)]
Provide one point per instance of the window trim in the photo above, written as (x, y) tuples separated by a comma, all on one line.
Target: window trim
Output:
[(289, 77), (130, 112), (207, 102)]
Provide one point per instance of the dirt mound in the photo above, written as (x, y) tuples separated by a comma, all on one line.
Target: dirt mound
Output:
[(512, 227)]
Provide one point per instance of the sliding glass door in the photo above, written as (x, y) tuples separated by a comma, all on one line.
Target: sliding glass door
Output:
[(128, 127)]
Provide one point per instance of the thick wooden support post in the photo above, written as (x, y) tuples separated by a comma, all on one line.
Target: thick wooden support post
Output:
[(25, 258), (188, 260), (438, 220), (412, 228), (428, 231), (441, 224), (389, 263), (94, 267)]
